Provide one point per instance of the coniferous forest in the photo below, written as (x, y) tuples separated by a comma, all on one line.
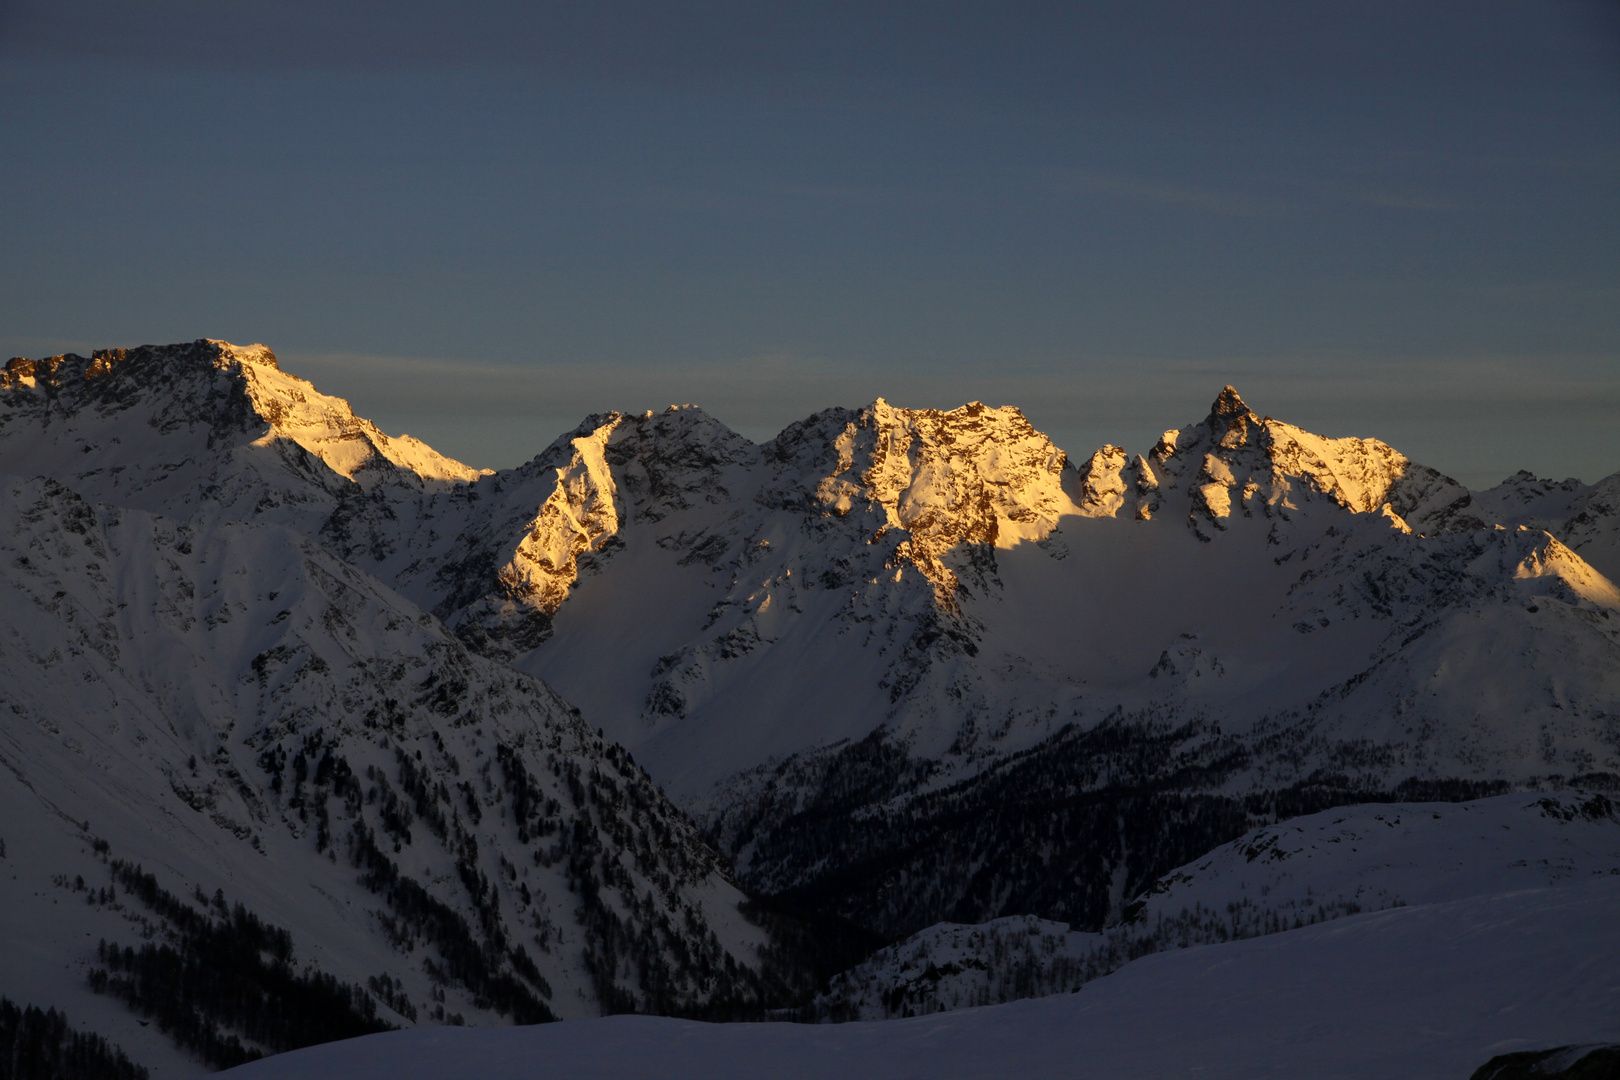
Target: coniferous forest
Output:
[(43, 1045), (224, 985)]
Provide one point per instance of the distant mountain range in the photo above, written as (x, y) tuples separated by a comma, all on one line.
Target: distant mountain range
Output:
[(514, 745)]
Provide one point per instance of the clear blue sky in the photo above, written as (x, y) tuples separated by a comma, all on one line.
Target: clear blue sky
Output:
[(480, 221)]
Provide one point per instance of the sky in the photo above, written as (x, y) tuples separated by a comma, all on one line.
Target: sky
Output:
[(481, 221)]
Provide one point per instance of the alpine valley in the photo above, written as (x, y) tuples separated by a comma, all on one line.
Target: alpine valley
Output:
[(309, 731)]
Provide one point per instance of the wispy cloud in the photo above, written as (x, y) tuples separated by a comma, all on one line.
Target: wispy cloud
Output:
[(1225, 202), (36, 347), (1408, 202)]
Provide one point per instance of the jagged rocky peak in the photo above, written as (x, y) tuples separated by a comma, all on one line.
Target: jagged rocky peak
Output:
[(1228, 411), (65, 368), (883, 490), (1527, 499), (970, 474), (853, 496), (526, 533), (925, 482), (115, 377), (936, 479), (672, 457), (1230, 421), (1102, 481), (682, 445), (1236, 463), (974, 474)]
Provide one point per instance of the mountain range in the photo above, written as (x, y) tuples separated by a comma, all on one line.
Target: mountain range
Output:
[(666, 720)]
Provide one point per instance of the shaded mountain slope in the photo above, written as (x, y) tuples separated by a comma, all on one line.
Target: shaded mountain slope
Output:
[(235, 709)]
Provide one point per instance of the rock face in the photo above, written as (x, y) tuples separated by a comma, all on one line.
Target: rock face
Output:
[(902, 665), (1238, 463)]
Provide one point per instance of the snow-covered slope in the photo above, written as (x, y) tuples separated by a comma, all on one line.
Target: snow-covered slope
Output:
[(1586, 517), (233, 708), (1307, 870), (1377, 856), (1425, 992)]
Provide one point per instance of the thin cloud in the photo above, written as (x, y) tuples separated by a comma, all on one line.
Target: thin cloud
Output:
[(1138, 189), (1409, 202)]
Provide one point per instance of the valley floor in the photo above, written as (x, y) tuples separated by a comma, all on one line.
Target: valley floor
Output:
[(1427, 992)]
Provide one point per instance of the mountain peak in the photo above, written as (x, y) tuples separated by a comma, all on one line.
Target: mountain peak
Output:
[(145, 364), (1228, 405), (206, 400), (247, 354)]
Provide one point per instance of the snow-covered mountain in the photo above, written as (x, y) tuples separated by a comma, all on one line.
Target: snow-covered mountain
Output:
[(838, 647), (198, 707), (903, 666), (948, 578)]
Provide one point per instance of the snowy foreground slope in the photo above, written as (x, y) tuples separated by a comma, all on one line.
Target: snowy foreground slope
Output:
[(1306, 870), (1426, 992)]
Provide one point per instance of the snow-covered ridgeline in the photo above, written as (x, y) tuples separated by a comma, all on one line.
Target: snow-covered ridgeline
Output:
[(926, 543), (1584, 516), (909, 534), (883, 607), (204, 428)]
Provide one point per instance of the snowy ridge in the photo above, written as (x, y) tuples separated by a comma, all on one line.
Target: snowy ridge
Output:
[(1584, 516), (204, 427), (515, 543), (1237, 462), (1305, 871), (900, 531)]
